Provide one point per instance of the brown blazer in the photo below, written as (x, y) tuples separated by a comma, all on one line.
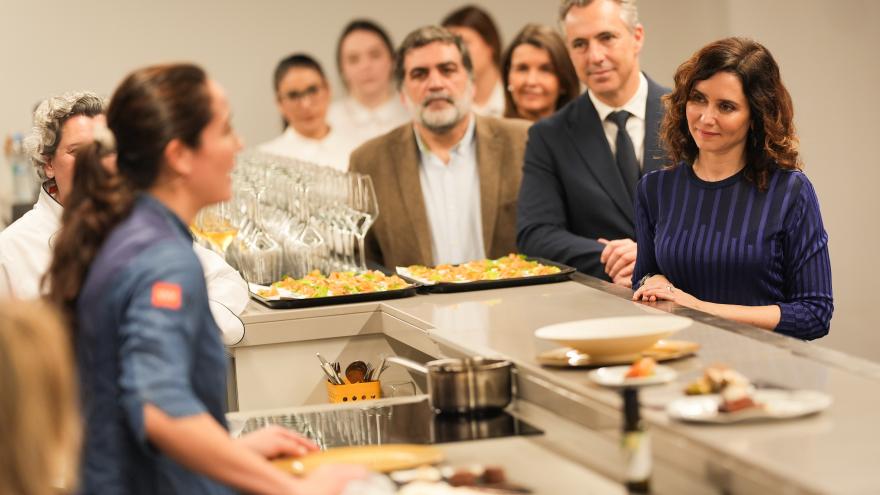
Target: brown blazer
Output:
[(401, 235)]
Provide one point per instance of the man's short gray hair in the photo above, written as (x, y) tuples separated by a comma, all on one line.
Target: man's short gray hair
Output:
[(49, 118), (629, 12), (424, 36)]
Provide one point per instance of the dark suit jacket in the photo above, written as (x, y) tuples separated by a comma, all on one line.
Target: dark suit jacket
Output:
[(572, 192), (401, 235)]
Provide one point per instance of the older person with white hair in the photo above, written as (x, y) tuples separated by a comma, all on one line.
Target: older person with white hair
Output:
[(63, 124)]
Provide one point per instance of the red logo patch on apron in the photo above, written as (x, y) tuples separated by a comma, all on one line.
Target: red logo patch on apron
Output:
[(166, 295)]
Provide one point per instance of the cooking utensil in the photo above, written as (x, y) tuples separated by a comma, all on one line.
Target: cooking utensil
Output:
[(356, 372), (331, 376), (331, 373), (382, 367), (465, 385)]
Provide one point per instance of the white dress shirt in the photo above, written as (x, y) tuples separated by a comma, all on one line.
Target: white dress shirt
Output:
[(360, 124), (26, 251), (452, 199), (635, 125), (331, 151), (494, 106)]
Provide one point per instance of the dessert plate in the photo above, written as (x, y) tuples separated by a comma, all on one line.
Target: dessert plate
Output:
[(773, 405), (615, 376)]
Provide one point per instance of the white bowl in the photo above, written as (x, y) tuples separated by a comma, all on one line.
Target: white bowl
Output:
[(610, 337)]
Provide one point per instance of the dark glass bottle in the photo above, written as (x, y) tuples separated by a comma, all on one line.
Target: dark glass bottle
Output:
[(636, 445)]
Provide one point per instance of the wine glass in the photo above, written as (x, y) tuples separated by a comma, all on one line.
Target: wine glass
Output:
[(363, 202)]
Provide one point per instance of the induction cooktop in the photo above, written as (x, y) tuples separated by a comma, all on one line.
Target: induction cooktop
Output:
[(412, 421)]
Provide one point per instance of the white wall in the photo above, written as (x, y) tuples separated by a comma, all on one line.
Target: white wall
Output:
[(54, 46), (827, 54), (826, 51)]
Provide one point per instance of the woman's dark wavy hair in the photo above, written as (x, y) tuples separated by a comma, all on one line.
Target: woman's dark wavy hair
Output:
[(547, 39), (772, 141), (149, 109)]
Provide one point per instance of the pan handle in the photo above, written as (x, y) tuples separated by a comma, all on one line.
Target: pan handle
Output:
[(408, 364)]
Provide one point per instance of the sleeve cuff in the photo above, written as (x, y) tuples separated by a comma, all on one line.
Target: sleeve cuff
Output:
[(231, 327)]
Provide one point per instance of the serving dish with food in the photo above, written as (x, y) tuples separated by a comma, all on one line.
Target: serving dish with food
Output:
[(644, 371), (317, 289), (723, 395), (508, 271)]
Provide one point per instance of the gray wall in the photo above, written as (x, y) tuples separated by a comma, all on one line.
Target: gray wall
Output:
[(826, 51)]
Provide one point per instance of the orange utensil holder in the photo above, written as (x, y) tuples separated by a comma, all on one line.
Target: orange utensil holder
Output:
[(353, 392)]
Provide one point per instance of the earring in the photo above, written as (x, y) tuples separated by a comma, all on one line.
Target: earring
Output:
[(510, 87)]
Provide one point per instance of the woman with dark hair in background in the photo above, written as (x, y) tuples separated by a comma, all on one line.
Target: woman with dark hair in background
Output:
[(478, 30), (537, 73), (733, 227), (303, 97), (365, 58), (152, 368)]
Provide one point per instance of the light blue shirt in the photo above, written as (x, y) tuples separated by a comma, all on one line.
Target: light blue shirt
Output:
[(451, 192)]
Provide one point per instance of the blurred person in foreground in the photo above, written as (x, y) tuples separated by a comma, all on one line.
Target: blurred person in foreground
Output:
[(39, 417), (365, 58), (151, 365), (732, 227), (480, 34), (537, 74), (62, 125), (303, 98), (582, 164), (447, 182)]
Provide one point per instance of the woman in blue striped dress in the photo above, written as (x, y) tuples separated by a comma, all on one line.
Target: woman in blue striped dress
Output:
[(732, 227)]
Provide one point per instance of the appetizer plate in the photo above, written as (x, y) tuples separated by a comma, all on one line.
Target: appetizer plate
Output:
[(663, 350), (774, 405), (564, 274), (615, 376), (381, 458), (613, 338), (291, 300)]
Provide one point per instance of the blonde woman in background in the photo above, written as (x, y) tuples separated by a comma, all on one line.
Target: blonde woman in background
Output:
[(39, 420)]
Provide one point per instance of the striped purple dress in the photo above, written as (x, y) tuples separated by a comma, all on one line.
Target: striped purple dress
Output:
[(726, 242)]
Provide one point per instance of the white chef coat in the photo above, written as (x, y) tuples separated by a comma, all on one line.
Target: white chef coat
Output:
[(361, 124), (331, 151), (452, 200), (26, 251), (494, 106)]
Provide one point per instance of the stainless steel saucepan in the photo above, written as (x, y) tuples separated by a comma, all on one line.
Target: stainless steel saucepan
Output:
[(465, 385)]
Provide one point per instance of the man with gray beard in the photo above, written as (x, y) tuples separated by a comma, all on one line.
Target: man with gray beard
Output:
[(447, 182)]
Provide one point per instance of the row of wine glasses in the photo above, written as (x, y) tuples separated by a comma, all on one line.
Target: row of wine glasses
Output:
[(289, 217)]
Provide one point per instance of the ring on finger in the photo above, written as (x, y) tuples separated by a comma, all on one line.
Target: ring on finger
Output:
[(669, 288)]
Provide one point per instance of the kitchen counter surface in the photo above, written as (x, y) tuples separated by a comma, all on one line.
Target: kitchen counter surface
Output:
[(833, 452)]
